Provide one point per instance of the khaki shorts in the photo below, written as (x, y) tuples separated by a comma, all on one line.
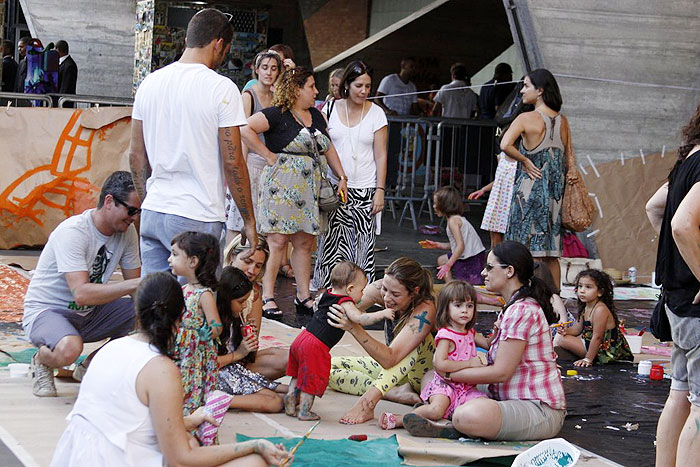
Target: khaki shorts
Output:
[(529, 420)]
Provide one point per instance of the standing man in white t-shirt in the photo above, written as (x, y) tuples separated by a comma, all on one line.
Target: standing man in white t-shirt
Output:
[(186, 145), (399, 83), (453, 99)]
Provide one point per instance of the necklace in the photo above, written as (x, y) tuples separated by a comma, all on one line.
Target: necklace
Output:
[(359, 130)]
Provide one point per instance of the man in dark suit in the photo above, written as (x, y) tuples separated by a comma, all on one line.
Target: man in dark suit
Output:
[(22, 67), (9, 67), (67, 71)]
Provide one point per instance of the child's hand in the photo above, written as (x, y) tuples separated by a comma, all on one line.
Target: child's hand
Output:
[(429, 244), (476, 194), (562, 331), (443, 270), (388, 314), (204, 333), (250, 343), (584, 362), (475, 362)]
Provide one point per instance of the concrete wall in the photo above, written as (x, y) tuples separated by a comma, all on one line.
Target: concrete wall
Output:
[(384, 13), (632, 40), (100, 34)]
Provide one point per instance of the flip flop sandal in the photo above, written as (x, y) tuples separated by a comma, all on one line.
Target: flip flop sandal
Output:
[(273, 312), (424, 428), (301, 307), (387, 419)]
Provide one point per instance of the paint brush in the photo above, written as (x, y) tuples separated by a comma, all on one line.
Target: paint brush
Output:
[(558, 325), (301, 441)]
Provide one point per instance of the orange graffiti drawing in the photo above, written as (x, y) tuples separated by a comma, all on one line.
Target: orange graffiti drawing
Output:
[(58, 184)]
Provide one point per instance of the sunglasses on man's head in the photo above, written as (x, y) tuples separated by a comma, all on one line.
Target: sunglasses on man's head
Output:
[(130, 210)]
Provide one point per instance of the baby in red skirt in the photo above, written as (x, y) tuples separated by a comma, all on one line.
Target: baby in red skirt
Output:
[(309, 362)]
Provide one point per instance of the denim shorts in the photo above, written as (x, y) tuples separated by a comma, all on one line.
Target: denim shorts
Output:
[(158, 230), (685, 357)]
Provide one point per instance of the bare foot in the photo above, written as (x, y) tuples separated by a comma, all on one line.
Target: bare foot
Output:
[(307, 416), (403, 394), (290, 405), (389, 421), (361, 412)]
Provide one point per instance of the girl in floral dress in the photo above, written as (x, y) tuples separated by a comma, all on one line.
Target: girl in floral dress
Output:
[(596, 336), (195, 256)]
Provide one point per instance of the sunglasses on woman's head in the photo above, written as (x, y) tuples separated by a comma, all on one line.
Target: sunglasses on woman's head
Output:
[(488, 266)]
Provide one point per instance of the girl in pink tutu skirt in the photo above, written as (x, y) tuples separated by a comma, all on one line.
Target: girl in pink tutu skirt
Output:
[(456, 343)]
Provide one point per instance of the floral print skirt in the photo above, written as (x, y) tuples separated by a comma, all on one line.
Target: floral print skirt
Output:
[(288, 201)]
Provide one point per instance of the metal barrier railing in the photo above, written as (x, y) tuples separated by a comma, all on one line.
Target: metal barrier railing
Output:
[(92, 100), (59, 100), (427, 153), (24, 100)]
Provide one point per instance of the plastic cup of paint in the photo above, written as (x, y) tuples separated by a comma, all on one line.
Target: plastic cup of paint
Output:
[(635, 343), (644, 367), (18, 370), (656, 373)]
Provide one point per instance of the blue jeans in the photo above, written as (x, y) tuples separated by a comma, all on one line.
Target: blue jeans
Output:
[(158, 230)]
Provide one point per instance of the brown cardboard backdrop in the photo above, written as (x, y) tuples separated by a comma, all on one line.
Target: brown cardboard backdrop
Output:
[(626, 237), (53, 162)]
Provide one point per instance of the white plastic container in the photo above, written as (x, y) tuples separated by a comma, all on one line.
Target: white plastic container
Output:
[(644, 367), (635, 343), (555, 452), (18, 370)]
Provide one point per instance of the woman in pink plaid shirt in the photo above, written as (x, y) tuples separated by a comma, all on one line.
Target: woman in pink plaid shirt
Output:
[(526, 397)]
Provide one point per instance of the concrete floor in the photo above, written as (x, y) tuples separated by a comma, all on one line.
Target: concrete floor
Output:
[(30, 426)]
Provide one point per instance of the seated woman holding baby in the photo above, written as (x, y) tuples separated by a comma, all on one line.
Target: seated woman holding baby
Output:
[(393, 370)]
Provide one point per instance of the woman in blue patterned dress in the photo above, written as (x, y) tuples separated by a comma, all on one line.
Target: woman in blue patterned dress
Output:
[(289, 186), (535, 215)]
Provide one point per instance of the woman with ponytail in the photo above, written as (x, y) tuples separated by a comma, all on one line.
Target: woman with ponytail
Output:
[(129, 408), (526, 398), (393, 370)]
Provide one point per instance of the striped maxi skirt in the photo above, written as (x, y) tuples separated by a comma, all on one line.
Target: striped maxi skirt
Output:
[(350, 236)]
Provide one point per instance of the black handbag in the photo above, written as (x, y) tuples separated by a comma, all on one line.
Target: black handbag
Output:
[(659, 324)]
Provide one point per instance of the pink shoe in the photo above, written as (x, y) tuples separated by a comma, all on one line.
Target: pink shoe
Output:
[(216, 406)]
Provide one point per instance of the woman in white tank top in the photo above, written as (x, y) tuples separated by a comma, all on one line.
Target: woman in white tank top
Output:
[(131, 397)]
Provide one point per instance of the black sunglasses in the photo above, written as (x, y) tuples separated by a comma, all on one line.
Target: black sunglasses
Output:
[(488, 266), (130, 210), (229, 20)]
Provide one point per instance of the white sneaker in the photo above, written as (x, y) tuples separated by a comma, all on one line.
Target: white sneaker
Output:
[(42, 376)]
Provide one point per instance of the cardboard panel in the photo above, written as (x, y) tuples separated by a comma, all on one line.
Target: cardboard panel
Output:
[(53, 166), (626, 237)]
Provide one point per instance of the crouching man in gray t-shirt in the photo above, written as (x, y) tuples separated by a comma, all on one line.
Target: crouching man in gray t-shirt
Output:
[(69, 300)]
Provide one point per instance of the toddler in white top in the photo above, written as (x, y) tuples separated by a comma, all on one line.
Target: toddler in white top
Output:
[(467, 253)]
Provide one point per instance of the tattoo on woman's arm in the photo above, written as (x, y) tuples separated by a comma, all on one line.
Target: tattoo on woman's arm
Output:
[(422, 320)]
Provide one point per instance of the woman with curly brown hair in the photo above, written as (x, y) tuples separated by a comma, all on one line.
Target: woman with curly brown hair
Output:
[(288, 210)]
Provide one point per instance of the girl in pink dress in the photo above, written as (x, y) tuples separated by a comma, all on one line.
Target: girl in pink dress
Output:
[(456, 343)]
